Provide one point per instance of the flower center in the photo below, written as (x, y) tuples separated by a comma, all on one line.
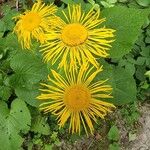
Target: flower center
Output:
[(31, 21), (74, 34), (77, 97)]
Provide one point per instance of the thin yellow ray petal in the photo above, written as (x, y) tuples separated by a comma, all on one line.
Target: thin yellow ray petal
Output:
[(99, 102), (96, 112), (96, 84), (101, 96), (88, 121), (59, 78), (103, 88), (64, 117), (56, 89), (83, 123), (93, 75)]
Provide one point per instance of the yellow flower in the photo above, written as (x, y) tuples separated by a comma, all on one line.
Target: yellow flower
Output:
[(75, 98), (77, 38), (34, 23)]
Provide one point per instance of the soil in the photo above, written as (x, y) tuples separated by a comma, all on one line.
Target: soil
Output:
[(142, 141)]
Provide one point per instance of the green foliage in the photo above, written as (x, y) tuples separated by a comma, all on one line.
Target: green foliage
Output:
[(108, 3), (127, 23), (12, 122), (5, 92), (39, 125), (28, 94), (124, 86), (114, 146), (21, 71), (113, 137), (29, 70), (6, 23), (132, 136), (148, 74), (54, 138), (113, 134), (68, 1), (131, 114), (144, 3)]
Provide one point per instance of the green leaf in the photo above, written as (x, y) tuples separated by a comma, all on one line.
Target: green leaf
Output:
[(28, 68), (1, 79), (140, 61), (5, 92), (9, 45), (130, 68), (28, 94), (140, 73), (144, 3), (20, 116), (11, 42), (7, 19), (145, 51), (112, 1), (132, 136), (114, 146), (123, 1), (122, 82), (133, 4), (48, 147), (113, 133), (127, 22), (147, 40), (39, 125), (91, 2), (124, 86), (68, 1), (147, 74), (12, 122), (2, 26), (107, 4)]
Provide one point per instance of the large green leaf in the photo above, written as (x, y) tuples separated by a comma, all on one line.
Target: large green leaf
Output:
[(127, 22), (12, 122), (123, 84), (28, 94), (28, 68)]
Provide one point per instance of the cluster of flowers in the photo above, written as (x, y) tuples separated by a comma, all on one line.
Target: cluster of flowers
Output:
[(73, 40)]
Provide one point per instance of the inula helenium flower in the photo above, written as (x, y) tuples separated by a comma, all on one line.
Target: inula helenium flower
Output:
[(34, 23), (76, 98), (78, 38)]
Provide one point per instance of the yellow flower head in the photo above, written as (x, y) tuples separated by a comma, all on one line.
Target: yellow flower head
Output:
[(34, 23), (77, 38), (76, 99)]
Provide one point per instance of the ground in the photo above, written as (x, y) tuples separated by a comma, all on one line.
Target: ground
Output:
[(136, 137), (142, 141)]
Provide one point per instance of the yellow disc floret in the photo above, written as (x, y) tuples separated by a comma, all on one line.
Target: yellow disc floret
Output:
[(77, 97), (74, 34), (31, 21)]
